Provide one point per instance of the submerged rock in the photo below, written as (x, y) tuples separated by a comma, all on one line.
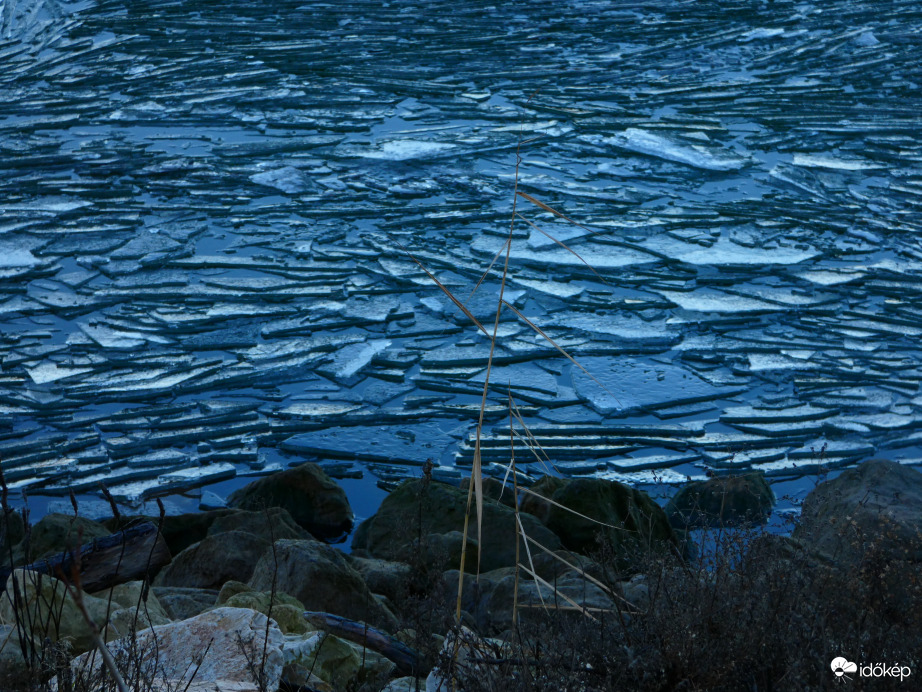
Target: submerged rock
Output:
[(723, 501), (312, 498), (416, 508)]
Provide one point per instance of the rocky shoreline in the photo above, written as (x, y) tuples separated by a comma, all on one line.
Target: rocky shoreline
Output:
[(591, 545)]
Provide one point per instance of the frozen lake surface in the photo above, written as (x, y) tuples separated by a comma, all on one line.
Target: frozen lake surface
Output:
[(203, 207)]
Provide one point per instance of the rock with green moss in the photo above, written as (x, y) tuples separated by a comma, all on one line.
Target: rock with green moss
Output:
[(312, 498), (55, 533), (724, 501), (417, 509), (593, 514), (131, 596), (231, 588), (341, 664), (286, 610), (47, 610)]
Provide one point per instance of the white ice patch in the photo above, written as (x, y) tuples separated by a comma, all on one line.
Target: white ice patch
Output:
[(623, 327), (288, 179), (46, 372), (716, 301), (760, 33), (726, 252), (403, 149), (598, 256), (825, 277), (866, 39), (826, 161), (16, 258), (643, 142), (349, 360), (551, 288)]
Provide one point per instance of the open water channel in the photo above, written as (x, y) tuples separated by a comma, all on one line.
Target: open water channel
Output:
[(204, 208)]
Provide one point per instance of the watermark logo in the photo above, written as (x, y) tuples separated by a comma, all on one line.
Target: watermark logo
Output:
[(842, 668)]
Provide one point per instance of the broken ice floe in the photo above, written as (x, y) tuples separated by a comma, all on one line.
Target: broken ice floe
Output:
[(644, 142), (165, 249)]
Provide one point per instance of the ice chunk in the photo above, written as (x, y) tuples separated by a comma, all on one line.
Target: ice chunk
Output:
[(866, 39), (404, 149), (210, 501), (12, 257), (349, 360), (633, 384), (761, 33), (46, 372), (704, 300), (288, 179), (318, 409), (643, 142), (650, 477), (725, 252), (196, 476), (626, 327), (826, 161), (404, 444), (551, 288), (599, 256)]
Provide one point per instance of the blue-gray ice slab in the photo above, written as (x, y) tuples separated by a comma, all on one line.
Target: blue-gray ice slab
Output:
[(694, 155), (401, 444), (627, 385)]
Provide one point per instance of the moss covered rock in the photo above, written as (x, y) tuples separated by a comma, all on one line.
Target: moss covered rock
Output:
[(417, 509), (602, 514), (312, 498), (55, 533), (48, 610), (724, 501)]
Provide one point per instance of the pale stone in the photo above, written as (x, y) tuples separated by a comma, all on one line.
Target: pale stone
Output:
[(218, 642)]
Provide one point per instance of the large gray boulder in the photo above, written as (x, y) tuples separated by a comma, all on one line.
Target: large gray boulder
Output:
[(182, 603), (312, 498), (417, 509), (220, 645), (321, 577), (214, 560), (872, 509)]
